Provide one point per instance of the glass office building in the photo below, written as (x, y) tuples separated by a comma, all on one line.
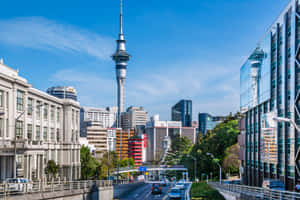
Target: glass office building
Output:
[(182, 111), (63, 92), (208, 122), (270, 87)]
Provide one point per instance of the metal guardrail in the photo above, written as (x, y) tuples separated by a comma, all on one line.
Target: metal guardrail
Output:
[(256, 192), (187, 192), (8, 189)]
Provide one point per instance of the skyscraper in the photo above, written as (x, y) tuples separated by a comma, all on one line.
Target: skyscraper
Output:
[(182, 111), (270, 88), (208, 122), (121, 57)]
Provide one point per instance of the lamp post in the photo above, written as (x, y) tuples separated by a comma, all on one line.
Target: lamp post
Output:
[(213, 157), (195, 165), (282, 119)]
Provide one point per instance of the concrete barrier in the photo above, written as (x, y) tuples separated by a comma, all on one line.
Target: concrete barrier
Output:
[(121, 190), (102, 193)]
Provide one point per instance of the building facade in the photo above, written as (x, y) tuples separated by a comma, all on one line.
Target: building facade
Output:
[(38, 127), (122, 138), (134, 118), (137, 149), (270, 87), (111, 139), (104, 117), (208, 122), (63, 92), (157, 131), (97, 136), (182, 111)]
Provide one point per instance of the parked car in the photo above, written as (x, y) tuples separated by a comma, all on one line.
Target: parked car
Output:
[(175, 193), (156, 188), (18, 184), (180, 185), (273, 184)]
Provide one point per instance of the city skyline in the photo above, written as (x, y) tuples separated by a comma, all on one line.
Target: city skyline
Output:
[(58, 49)]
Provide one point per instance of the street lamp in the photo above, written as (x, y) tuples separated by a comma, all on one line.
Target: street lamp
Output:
[(282, 119), (195, 165), (211, 155)]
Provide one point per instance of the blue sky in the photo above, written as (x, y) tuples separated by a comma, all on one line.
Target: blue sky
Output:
[(189, 49)]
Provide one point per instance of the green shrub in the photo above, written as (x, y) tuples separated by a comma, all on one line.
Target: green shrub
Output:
[(203, 191)]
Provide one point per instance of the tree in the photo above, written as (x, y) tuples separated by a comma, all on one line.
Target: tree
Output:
[(231, 162), (127, 162), (109, 162), (51, 168), (216, 142), (90, 167)]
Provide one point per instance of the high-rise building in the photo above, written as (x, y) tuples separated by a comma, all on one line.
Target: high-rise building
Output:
[(122, 138), (121, 57), (97, 136), (42, 126), (208, 122), (137, 149), (63, 92), (270, 88), (157, 131), (111, 139), (104, 117), (182, 111), (134, 118)]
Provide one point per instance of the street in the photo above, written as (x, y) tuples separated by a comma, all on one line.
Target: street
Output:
[(144, 193)]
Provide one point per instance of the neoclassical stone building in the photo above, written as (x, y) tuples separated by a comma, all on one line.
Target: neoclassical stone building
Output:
[(43, 126)]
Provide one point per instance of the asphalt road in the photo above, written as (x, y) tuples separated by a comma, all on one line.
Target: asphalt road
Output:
[(144, 193)]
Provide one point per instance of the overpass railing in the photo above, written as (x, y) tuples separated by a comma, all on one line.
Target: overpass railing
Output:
[(8, 189), (256, 192)]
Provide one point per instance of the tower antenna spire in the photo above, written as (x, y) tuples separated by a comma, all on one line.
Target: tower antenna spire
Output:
[(121, 17)]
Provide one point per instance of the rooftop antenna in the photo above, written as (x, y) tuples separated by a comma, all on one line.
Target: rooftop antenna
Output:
[(121, 17)]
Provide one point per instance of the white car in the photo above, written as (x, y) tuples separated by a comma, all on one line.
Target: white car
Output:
[(18, 184), (180, 185), (175, 193)]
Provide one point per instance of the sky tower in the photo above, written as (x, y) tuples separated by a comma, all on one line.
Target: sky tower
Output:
[(121, 57)]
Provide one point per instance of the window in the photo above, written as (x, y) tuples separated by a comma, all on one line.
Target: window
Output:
[(1, 98), (52, 134), (29, 131), (38, 133), (20, 100), (52, 113), (29, 107), (57, 135), (58, 113), (45, 134), (45, 111), (38, 110), (1, 127), (72, 138), (73, 117), (19, 129)]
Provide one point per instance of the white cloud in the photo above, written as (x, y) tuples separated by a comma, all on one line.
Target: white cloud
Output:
[(44, 34), (92, 89), (213, 89)]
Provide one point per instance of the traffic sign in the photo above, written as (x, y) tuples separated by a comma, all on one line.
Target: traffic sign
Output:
[(142, 169), (146, 173)]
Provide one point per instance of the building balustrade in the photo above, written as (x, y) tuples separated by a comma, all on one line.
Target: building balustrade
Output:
[(8, 189)]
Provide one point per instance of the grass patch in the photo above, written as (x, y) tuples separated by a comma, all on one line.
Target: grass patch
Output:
[(203, 191)]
